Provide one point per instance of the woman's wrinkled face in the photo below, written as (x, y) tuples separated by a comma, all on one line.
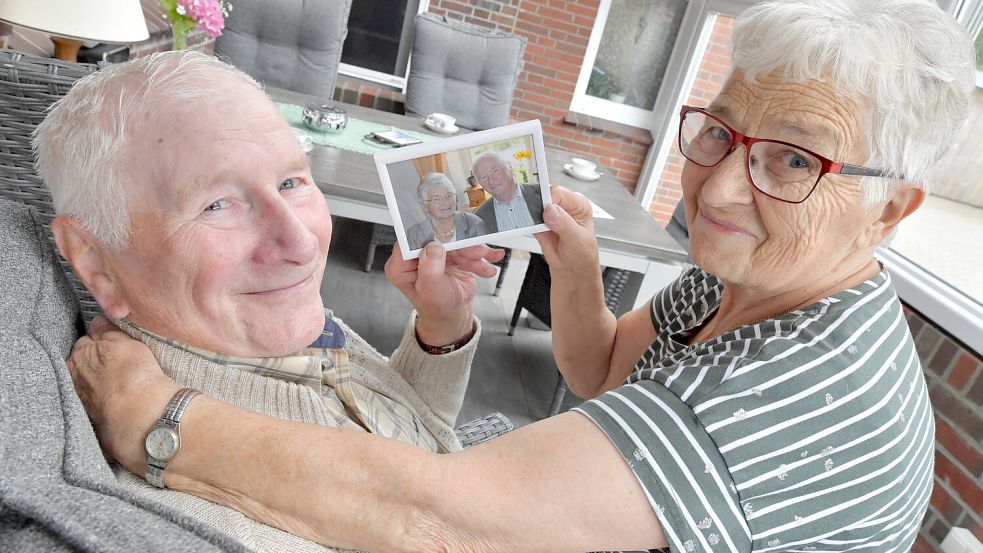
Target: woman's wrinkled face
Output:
[(752, 240), (440, 202)]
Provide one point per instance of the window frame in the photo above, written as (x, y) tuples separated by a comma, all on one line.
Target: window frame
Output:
[(600, 107), (386, 79)]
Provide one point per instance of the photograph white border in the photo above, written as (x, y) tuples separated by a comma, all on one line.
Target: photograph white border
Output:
[(470, 140)]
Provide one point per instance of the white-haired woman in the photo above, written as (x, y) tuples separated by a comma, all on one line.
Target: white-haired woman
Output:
[(768, 400), (444, 223)]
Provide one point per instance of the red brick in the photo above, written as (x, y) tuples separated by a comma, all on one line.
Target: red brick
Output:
[(965, 453), (964, 486), (965, 367), (923, 545)]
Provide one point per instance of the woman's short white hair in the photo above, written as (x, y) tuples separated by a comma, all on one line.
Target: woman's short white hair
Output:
[(911, 63), (433, 179), (81, 146)]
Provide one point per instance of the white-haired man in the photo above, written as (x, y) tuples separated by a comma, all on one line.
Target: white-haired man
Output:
[(512, 205), (188, 210)]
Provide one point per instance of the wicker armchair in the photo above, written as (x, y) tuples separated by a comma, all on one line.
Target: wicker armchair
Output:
[(534, 297), (28, 87)]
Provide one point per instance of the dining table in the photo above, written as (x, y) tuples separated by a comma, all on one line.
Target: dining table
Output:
[(630, 239)]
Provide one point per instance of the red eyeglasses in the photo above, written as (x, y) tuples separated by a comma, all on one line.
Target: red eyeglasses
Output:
[(780, 170)]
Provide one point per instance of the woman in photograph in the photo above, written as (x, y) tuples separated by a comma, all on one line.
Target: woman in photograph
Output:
[(444, 223)]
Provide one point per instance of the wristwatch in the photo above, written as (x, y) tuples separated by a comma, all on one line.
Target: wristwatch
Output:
[(440, 350), (164, 440)]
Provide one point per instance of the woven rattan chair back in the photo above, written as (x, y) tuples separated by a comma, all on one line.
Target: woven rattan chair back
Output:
[(28, 87)]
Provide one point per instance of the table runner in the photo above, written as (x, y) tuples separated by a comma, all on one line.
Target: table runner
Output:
[(353, 137)]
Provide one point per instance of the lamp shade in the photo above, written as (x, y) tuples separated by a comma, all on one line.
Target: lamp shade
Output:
[(99, 20)]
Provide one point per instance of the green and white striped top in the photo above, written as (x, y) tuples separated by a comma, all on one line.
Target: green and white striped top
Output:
[(811, 431)]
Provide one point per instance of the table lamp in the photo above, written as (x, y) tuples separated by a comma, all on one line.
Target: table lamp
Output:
[(69, 22)]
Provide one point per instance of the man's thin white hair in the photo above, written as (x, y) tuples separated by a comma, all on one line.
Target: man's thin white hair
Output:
[(82, 147), (432, 179), (492, 156), (910, 64)]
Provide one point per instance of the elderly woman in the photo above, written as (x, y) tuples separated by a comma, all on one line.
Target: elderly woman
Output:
[(444, 223), (768, 400)]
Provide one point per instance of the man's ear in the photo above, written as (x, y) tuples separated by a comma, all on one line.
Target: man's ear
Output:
[(905, 201), (91, 262)]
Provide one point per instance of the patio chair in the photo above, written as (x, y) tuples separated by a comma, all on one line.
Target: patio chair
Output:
[(677, 227), (290, 44), (39, 328), (463, 70), (534, 297)]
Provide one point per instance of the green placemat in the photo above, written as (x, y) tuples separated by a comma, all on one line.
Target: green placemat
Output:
[(352, 138)]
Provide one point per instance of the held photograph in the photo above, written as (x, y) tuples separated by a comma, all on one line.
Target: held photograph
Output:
[(468, 189)]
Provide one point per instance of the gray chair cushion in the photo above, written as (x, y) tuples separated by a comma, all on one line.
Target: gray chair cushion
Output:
[(463, 70), (290, 44), (56, 490)]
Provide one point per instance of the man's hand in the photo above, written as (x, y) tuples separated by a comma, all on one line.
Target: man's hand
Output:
[(122, 387), (570, 247), (441, 286)]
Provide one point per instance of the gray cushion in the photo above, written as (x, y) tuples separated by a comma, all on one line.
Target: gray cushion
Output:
[(463, 70), (291, 44), (56, 490)]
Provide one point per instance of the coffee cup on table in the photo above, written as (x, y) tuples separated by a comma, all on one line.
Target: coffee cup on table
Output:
[(441, 120), (582, 167)]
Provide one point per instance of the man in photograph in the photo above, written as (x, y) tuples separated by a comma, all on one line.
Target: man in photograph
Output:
[(512, 205)]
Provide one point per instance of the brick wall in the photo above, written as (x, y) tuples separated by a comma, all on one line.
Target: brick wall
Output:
[(955, 385)]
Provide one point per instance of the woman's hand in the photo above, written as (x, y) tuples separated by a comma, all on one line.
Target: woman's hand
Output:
[(441, 286), (122, 387), (571, 247)]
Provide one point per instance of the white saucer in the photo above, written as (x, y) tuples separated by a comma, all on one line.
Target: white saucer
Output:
[(442, 130), (568, 169)]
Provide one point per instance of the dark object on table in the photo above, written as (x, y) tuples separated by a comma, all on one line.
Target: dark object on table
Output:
[(324, 118), (534, 297), (111, 53), (463, 70), (291, 44)]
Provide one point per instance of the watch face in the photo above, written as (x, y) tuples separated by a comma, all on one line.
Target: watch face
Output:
[(162, 443)]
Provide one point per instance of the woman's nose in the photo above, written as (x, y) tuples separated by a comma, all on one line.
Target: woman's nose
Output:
[(728, 181)]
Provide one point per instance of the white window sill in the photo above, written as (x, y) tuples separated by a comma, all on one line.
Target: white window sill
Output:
[(946, 307)]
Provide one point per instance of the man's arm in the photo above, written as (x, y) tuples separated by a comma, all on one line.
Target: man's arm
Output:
[(555, 485), (594, 351)]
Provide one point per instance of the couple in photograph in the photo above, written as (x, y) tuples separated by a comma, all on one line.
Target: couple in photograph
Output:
[(511, 206)]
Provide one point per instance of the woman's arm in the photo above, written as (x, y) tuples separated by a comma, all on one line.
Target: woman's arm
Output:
[(594, 351), (555, 485)]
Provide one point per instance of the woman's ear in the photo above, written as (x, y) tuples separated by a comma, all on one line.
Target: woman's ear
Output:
[(905, 201), (92, 262)]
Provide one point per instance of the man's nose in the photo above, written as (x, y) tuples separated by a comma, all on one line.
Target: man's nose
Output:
[(728, 183), (289, 238)]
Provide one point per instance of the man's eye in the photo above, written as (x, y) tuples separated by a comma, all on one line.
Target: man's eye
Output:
[(290, 184), (217, 205)]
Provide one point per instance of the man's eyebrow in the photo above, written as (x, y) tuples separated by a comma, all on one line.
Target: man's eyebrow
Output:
[(199, 186)]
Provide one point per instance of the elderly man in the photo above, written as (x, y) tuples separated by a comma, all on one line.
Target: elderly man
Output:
[(770, 399), (512, 205), (188, 209)]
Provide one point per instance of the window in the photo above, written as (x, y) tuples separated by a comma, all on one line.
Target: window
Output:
[(626, 59), (380, 38), (936, 252)]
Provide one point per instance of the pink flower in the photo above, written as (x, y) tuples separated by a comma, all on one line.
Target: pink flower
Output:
[(208, 14)]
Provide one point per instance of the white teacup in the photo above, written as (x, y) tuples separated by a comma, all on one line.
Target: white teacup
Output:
[(583, 167), (441, 120)]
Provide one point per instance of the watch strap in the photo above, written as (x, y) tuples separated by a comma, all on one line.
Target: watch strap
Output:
[(171, 417), (440, 350)]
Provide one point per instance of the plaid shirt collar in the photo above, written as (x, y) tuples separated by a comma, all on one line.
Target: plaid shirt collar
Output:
[(305, 367)]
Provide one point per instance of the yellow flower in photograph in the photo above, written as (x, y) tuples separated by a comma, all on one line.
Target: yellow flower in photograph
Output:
[(522, 154)]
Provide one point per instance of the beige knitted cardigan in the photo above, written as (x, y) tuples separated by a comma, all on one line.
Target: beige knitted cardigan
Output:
[(433, 385)]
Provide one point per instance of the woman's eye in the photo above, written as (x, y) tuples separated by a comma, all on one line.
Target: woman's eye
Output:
[(720, 133), (795, 161)]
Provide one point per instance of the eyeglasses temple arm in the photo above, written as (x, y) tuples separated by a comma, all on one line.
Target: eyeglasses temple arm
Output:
[(846, 169)]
